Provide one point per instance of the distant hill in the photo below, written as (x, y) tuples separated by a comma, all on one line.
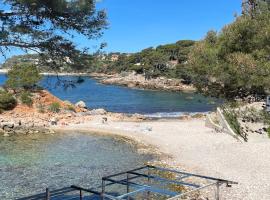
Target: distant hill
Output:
[(164, 60)]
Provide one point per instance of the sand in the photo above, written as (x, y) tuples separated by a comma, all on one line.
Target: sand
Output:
[(198, 149)]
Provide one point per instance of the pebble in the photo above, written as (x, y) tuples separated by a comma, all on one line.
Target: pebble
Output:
[(6, 135)]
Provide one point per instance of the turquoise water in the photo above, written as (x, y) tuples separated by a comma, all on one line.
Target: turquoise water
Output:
[(29, 164), (126, 100)]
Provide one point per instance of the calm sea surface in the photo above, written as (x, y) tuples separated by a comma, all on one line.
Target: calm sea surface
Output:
[(29, 164), (126, 100)]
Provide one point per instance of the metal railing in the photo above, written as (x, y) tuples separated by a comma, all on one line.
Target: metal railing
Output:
[(143, 181)]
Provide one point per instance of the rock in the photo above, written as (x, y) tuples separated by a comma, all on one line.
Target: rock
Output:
[(6, 135), (99, 111), (7, 125), (81, 104), (67, 102), (51, 131), (198, 115), (53, 121), (148, 128), (138, 116), (104, 120), (184, 117)]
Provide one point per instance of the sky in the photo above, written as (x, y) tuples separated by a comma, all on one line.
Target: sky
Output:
[(138, 24)]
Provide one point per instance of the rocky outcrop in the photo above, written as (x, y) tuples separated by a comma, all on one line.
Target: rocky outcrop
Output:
[(133, 80), (81, 104), (99, 111)]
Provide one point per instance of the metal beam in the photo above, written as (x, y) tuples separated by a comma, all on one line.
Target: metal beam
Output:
[(165, 180), (147, 187), (131, 193), (183, 194), (190, 174)]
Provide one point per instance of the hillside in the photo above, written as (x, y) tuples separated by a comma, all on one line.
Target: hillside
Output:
[(165, 60)]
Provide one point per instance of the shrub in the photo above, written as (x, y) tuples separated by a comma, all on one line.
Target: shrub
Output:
[(265, 117), (23, 76), (54, 107), (7, 101), (41, 108), (232, 118), (268, 132), (70, 108), (26, 98)]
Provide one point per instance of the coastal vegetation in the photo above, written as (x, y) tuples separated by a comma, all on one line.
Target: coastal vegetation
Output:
[(26, 98), (54, 107), (47, 28), (232, 64), (165, 60), (23, 77), (7, 101), (235, 63)]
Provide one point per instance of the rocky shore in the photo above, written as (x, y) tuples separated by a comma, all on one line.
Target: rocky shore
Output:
[(185, 140), (134, 80), (39, 118)]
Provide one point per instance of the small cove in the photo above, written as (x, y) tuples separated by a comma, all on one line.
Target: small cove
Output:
[(29, 164), (115, 98)]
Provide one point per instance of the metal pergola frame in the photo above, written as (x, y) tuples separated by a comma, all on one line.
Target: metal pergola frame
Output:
[(139, 188), (149, 174)]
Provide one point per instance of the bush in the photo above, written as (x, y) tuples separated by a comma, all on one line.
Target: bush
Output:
[(7, 101), (70, 108), (41, 108), (268, 132), (26, 98), (232, 118), (23, 76), (265, 117), (54, 107)]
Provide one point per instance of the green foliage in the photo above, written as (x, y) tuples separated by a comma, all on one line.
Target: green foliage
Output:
[(26, 98), (41, 108), (48, 27), (234, 63), (70, 108), (232, 118), (268, 132), (23, 77), (265, 116), (7, 101), (54, 107), (155, 61)]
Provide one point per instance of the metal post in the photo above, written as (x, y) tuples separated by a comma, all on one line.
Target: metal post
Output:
[(81, 195), (47, 194), (103, 189), (128, 185), (217, 191)]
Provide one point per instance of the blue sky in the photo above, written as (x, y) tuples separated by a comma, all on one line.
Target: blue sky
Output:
[(138, 24)]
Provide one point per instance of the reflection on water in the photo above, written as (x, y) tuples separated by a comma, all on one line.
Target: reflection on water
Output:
[(29, 164)]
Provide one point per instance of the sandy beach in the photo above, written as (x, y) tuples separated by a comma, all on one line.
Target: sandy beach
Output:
[(196, 148)]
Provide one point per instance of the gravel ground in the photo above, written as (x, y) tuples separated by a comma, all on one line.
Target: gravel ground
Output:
[(199, 149)]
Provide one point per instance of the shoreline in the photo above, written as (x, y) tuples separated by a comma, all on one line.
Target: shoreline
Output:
[(130, 80), (5, 71), (189, 144), (138, 81), (204, 152)]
